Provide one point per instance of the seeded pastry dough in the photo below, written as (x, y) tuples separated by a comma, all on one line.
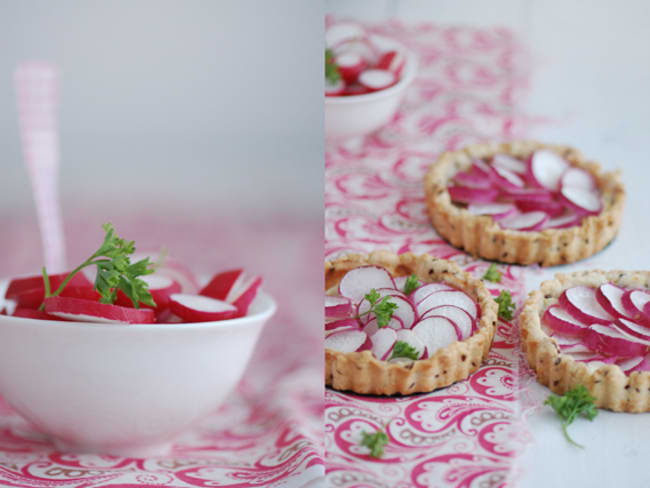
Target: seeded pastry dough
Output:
[(481, 236), (560, 372), (361, 372)]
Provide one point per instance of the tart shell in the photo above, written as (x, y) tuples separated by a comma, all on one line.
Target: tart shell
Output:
[(608, 384), (362, 373), (481, 236)]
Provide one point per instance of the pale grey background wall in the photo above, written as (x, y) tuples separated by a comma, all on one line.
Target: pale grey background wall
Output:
[(186, 104)]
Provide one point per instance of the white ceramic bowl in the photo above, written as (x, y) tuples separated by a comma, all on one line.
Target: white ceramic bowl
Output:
[(358, 115), (123, 389)]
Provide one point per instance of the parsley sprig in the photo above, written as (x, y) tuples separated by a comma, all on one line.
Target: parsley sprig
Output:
[(332, 74), (492, 274), (375, 442), (383, 309), (411, 284), (506, 307), (114, 272), (403, 349), (573, 403)]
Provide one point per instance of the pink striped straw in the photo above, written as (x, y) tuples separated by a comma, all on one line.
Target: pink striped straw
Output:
[(37, 92)]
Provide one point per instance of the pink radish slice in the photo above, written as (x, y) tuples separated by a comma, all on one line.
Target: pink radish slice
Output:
[(363, 306), (359, 281), (30, 313), (594, 360), (21, 285), (427, 289), (507, 179), (581, 303), (337, 307), (457, 316), (350, 65), (174, 269), (160, 287), (496, 210), (561, 322), (199, 308), (634, 329), (510, 163), (34, 298), (348, 341), (563, 222), (644, 365), (436, 333), (335, 89), (383, 342), (527, 195), (551, 207), (393, 61), (609, 296), (582, 200), (377, 79), (343, 32), (635, 301), (570, 344), (244, 291), (545, 168), (404, 313), (457, 298), (356, 89), (525, 221), (610, 341), (340, 324), (408, 336), (481, 167), (578, 178), (465, 194), (470, 180), (90, 311), (629, 365), (221, 284)]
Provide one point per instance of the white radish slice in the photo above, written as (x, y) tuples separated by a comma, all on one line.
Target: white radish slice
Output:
[(545, 168), (436, 333), (611, 341), (427, 289), (570, 220), (578, 178), (334, 89), (459, 317), (337, 307), (635, 302), (408, 336), (582, 305), (341, 324), (495, 210), (342, 32), (393, 61), (510, 163), (382, 343), (404, 313), (582, 200), (81, 310), (377, 79), (348, 341), (570, 344), (507, 179), (457, 298), (199, 308), (472, 180), (350, 65), (561, 322), (400, 282), (551, 207), (629, 365), (525, 221), (465, 194), (609, 296), (359, 281), (634, 329)]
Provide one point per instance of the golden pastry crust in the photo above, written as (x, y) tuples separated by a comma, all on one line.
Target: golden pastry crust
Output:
[(362, 373), (481, 236), (611, 388)]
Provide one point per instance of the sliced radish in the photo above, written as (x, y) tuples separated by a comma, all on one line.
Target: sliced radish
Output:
[(609, 296), (533, 195), (377, 79), (507, 179), (363, 306), (481, 167), (221, 283), (350, 65), (199, 308), (343, 32), (335, 89), (174, 269), (635, 302), (356, 89), (570, 344), (34, 298), (525, 221), (90, 311), (582, 305), (551, 207), (471, 180), (634, 329), (382, 343), (243, 292), (408, 336), (337, 307), (30, 313), (457, 316), (34, 285), (427, 289), (348, 341), (160, 287), (562, 322), (577, 178), (610, 341), (565, 221), (404, 313), (359, 281), (400, 282), (465, 194), (436, 333), (393, 61), (545, 168), (457, 298), (582, 200), (510, 163), (341, 324), (497, 211), (629, 365)]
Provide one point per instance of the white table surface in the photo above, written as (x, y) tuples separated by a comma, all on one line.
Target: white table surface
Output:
[(591, 75)]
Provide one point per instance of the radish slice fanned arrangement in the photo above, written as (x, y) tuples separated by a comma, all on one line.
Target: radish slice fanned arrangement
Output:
[(375, 311), (543, 192), (608, 325)]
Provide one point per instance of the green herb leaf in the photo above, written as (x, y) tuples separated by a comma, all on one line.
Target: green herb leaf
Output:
[(411, 284), (372, 296), (574, 402), (375, 442), (492, 274), (506, 307), (403, 349), (332, 74), (384, 311)]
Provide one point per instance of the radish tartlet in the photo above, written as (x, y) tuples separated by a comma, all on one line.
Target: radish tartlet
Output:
[(401, 324), (524, 202), (592, 328)]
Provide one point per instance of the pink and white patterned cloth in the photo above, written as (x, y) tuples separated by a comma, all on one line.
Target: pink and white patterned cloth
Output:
[(468, 434)]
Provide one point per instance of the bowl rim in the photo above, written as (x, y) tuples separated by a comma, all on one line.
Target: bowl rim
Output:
[(269, 308), (408, 75)]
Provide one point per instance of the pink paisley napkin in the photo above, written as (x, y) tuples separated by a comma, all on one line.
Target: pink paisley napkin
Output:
[(466, 435)]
